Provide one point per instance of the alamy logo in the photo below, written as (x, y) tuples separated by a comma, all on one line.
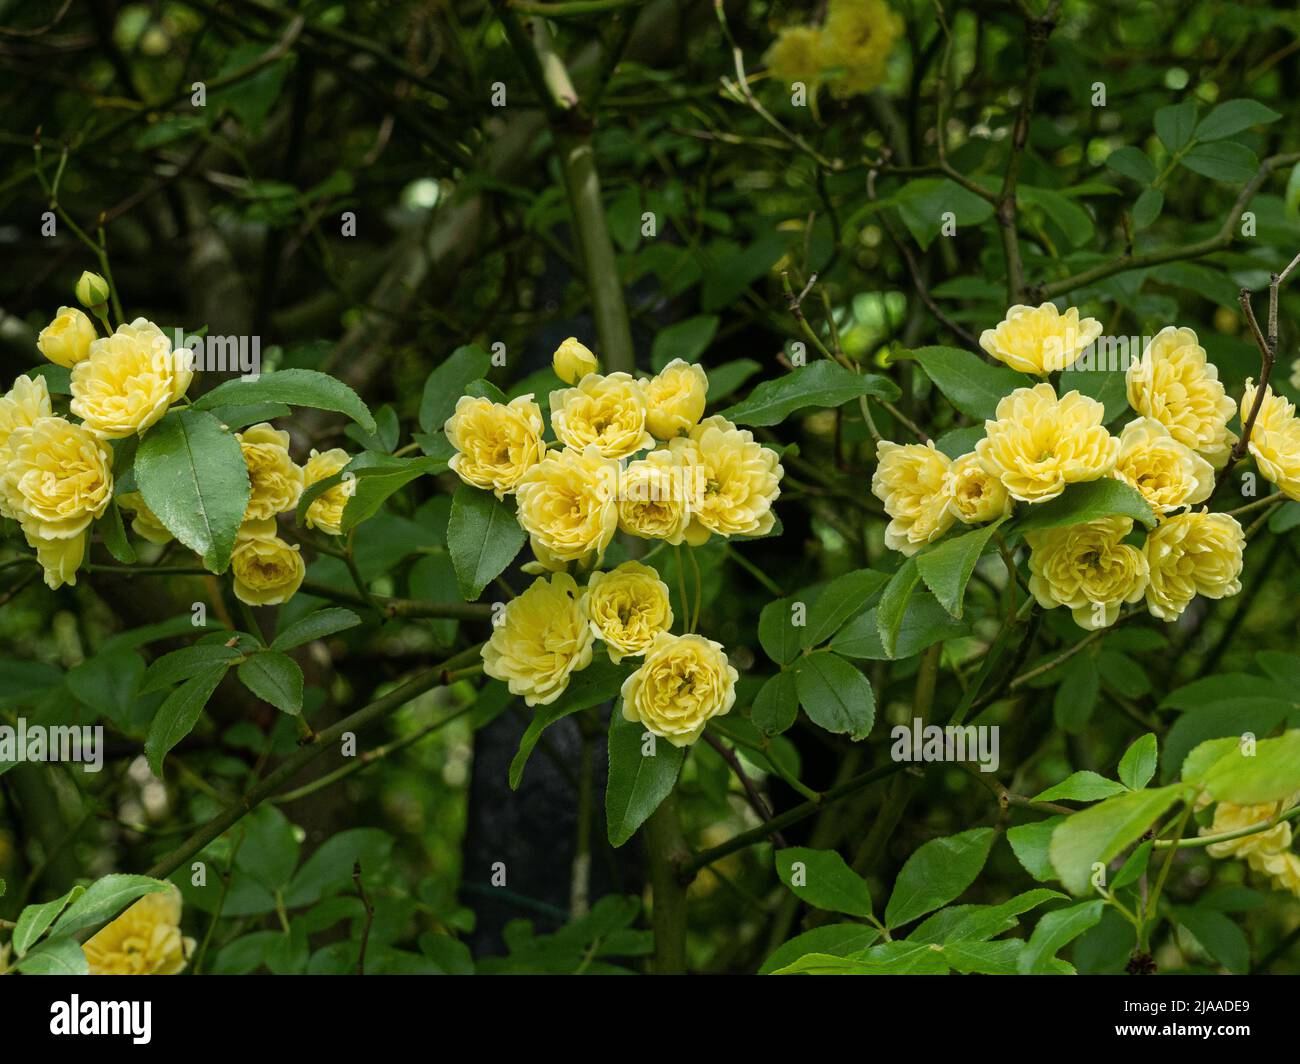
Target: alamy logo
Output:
[(77, 744), (212, 354), (957, 743), (134, 1018)]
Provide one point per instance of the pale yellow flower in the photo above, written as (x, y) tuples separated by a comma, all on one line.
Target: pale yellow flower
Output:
[(145, 523), (540, 641), (1274, 439), (607, 412), (67, 339), (267, 571), (276, 481), (496, 443), (1040, 340), (59, 558), (911, 480), (568, 505), (1087, 568), (129, 380), (684, 681), (145, 940), (27, 402), (658, 495), (796, 55), (57, 479), (1177, 385), (855, 44), (628, 607), (738, 480), (975, 496), (572, 361), (675, 399), (1282, 867), (326, 510), (1229, 818), (1038, 444), (1166, 473), (1190, 554)]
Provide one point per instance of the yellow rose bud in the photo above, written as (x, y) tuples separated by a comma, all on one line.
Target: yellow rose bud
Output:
[(1191, 554), (658, 495), (856, 41), (145, 523), (27, 402), (974, 495), (267, 570), (1040, 340), (1038, 444), (60, 558), (1274, 439), (740, 479), (568, 505), (675, 399), (326, 510), (796, 55), (67, 339), (1087, 568), (684, 681), (144, 940), (496, 443), (911, 480), (572, 361), (627, 607), (58, 478), (1168, 474), (92, 290), (540, 641), (129, 380), (1177, 385), (607, 412), (276, 481)]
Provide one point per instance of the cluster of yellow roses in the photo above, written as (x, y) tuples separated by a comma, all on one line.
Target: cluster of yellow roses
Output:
[(849, 50), (56, 474), (1038, 443), (699, 478), (1267, 851)]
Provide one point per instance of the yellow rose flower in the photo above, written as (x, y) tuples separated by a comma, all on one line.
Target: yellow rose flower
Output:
[(267, 570), (1229, 817), (607, 412), (58, 478), (974, 495), (911, 480), (683, 682), (1282, 867), (658, 495), (326, 510), (1274, 439), (1087, 568), (627, 607), (27, 402), (540, 641), (145, 523), (67, 339), (796, 55), (855, 44), (1174, 383), (1192, 554), (1166, 473), (276, 481), (1038, 444), (675, 399), (572, 361), (129, 380), (1040, 340), (731, 480), (144, 940), (496, 443), (568, 505), (59, 558)]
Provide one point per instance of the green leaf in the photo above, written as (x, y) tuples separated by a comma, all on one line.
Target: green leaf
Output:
[(113, 532), (192, 475), (1088, 501), (1056, 930), (1075, 222), (823, 880), (378, 477), (1175, 123), (1139, 762), (1030, 843), (244, 414), (1217, 934), (1148, 207), (274, 678), (958, 442), (57, 956), (1234, 116), (889, 958), (834, 694), (729, 377), (483, 537), (251, 98), (1077, 688), (893, 604), (315, 626), (937, 873), (35, 920), (778, 635), (819, 384), (686, 340), (1269, 773), (959, 923), (1223, 160), (776, 705), (837, 602), (296, 387), (947, 567), (1134, 865), (637, 782), (177, 716), (1081, 786), (1098, 834), (447, 383), (268, 853), (972, 385), (180, 665), (103, 900), (1132, 162), (923, 202), (925, 623), (985, 958), (835, 940)]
